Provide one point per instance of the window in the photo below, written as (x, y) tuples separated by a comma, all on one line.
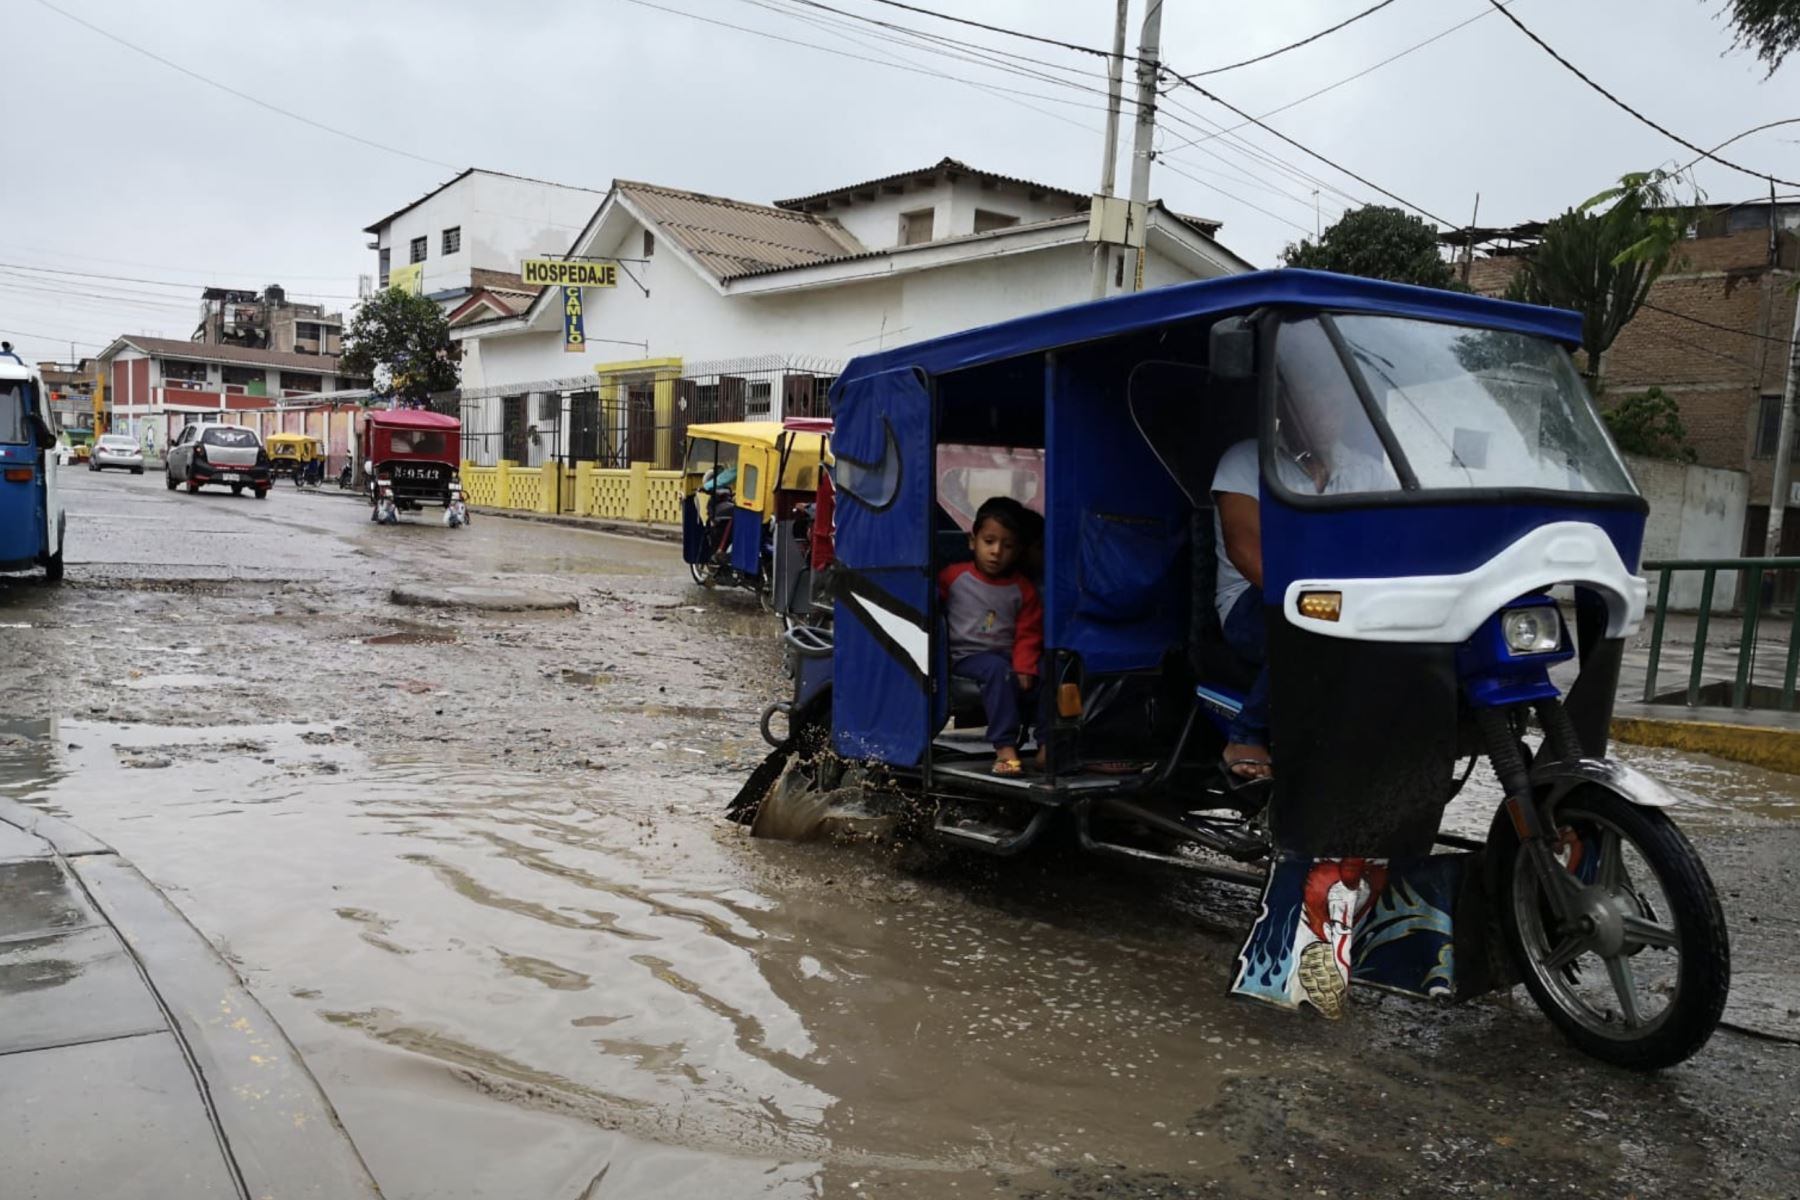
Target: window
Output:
[(915, 227), (306, 331), (385, 257), (649, 243), (295, 381), (230, 436), (985, 220), (757, 403), (452, 240), (1768, 428), (747, 486), (418, 250), (15, 429), (254, 377), (184, 373)]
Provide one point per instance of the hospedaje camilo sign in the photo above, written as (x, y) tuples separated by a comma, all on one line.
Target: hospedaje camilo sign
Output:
[(574, 336), (571, 277)]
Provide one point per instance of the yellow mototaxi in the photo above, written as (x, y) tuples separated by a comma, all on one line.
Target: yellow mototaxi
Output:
[(291, 453), (740, 481)]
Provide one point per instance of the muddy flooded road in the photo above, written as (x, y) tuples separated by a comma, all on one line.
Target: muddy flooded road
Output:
[(475, 865)]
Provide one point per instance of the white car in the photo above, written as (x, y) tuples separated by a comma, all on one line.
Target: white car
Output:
[(117, 450)]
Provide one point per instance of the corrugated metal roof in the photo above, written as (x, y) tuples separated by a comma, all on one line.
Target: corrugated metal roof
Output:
[(731, 238), (944, 164), (324, 364)]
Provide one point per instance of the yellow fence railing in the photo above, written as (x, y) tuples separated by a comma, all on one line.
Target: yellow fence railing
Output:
[(636, 493)]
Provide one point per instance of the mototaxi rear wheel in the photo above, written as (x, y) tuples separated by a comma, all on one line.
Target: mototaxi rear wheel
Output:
[(1638, 973)]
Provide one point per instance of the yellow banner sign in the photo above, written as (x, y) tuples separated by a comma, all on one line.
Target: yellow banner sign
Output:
[(554, 272), (409, 279)]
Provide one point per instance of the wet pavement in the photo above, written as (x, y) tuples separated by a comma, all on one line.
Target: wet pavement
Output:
[(474, 865)]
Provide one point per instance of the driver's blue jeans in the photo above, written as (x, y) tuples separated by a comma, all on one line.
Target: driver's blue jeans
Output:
[(1247, 632)]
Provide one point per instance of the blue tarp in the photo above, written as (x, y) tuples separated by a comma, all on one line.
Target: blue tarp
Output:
[(882, 446)]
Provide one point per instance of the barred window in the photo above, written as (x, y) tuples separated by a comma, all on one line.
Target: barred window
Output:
[(418, 250), (453, 239)]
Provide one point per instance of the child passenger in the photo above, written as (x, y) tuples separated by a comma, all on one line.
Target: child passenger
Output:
[(995, 623)]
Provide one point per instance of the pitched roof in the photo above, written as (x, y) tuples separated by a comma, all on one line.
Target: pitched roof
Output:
[(942, 165), (731, 238), (325, 364), (459, 176)]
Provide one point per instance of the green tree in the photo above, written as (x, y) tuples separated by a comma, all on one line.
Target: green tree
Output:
[(1601, 258), (1379, 243), (404, 337), (1649, 423), (1769, 27)]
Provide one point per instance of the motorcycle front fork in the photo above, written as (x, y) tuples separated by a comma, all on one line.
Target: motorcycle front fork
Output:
[(1537, 834)]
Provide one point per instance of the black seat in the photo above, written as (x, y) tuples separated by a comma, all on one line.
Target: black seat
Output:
[(1212, 658)]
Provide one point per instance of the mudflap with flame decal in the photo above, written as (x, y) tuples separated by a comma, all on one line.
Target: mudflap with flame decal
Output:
[(1412, 925)]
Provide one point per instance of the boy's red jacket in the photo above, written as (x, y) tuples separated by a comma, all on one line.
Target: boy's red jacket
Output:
[(988, 615)]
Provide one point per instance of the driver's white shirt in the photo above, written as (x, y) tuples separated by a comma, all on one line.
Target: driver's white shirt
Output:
[(1239, 472)]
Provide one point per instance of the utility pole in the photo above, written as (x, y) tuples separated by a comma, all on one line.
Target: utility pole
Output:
[(1784, 445), (1143, 146), (1115, 69)]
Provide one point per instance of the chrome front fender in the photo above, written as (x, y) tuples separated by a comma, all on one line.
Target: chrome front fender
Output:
[(1552, 781)]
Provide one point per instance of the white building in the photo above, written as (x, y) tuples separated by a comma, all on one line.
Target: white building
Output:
[(473, 231), (709, 286)]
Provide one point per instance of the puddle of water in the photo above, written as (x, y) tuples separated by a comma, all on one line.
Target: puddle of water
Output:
[(176, 680), (412, 638), (538, 961)]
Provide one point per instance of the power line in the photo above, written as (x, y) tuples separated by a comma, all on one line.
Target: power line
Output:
[(1330, 87), (1305, 41), (1670, 134), (134, 279), (52, 337), (1761, 337), (920, 33), (764, 33), (1247, 204), (1394, 196), (260, 103), (939, 48), (1018, 33)]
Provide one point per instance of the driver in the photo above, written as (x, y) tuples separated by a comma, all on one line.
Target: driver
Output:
[(1325, 445)]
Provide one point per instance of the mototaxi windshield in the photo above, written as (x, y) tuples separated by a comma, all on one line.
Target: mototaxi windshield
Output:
[(1460, 408)]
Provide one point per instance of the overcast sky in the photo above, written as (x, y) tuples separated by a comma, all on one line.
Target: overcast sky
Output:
[(123, 166)]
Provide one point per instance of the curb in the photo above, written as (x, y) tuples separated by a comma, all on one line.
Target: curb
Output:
[(645, 531), (1766, 746)]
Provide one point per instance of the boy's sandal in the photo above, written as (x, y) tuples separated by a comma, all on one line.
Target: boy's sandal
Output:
[(1008, 766)]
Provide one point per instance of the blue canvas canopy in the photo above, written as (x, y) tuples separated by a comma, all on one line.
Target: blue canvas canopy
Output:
[(1117, 526), (1211, 298)]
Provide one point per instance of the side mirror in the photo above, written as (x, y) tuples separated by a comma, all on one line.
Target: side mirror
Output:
[(46, 437), (1231, 351)]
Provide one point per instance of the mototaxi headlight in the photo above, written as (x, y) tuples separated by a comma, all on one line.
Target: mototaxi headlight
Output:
[(1533, 630)]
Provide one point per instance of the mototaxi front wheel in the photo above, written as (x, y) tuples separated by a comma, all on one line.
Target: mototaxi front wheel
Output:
[(1637, 969)]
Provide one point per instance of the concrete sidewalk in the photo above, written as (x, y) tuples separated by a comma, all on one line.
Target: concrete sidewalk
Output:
[(1763, 735), (133, 1063)]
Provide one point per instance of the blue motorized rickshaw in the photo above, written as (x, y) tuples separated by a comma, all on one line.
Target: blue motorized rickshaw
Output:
[(31, 509), (1412, 621)]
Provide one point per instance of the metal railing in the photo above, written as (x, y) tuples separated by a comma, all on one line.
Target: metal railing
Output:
[(1759, 574)]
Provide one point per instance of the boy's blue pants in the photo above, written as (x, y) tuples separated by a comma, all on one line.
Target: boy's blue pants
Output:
[(1001, 697)]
